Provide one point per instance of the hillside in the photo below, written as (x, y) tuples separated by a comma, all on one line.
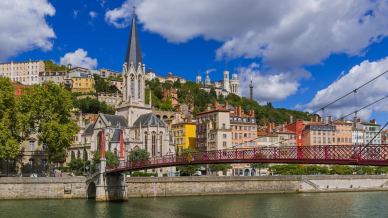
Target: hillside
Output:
[(190, 93)]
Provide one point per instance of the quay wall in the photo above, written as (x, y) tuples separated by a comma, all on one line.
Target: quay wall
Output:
[(42, 187), (76, 187), (185, 186)]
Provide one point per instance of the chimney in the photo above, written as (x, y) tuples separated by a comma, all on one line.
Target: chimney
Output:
[(291, 119), (373, 121)]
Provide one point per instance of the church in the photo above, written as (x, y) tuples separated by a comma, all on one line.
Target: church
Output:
[(140, 128)]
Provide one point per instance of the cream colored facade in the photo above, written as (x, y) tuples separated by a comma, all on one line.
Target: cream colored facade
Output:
[(26, 73), (244, 128), (343, 132), (213, 130)]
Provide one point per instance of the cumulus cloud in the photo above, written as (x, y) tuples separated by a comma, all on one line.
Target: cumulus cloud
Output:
[(285, 34), (23, 26), (356, 76), (79, 58), (121, 17), (269, 87)]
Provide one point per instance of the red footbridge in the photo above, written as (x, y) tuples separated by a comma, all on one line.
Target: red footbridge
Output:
[(376, 155)]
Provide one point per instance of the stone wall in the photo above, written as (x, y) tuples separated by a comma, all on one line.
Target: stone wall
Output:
[(184, 186), (42, 187)]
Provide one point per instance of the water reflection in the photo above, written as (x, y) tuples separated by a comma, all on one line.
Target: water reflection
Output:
[(372, 204)]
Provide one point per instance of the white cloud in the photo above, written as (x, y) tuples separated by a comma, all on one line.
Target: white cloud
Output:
[(121, 17), (287, 34), (93, 14), (269, 87), (75, 13), (79, 58), (23, 26), (357, 76)]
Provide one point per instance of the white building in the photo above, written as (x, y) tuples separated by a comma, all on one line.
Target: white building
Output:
[(26, 73), (364, 132), (223, 87)]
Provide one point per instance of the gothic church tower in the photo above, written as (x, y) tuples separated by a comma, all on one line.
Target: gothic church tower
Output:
[(133, 69)]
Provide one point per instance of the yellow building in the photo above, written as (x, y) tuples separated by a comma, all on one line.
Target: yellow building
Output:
[(82, 84), (183, 135)]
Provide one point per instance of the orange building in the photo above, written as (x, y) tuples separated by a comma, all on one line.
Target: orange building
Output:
[(343, 131)]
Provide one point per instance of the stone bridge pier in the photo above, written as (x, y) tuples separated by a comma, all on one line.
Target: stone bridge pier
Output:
[(108, 186)]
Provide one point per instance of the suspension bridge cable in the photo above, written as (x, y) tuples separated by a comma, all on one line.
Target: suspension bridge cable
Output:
[(353, 91)]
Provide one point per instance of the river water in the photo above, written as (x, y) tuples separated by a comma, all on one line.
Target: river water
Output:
[(361, 204)]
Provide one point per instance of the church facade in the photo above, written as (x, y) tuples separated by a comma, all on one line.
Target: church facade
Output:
[(140, 128)]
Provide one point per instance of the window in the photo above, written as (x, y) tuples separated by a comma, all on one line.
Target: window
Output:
[(139, 85), (153, 143), (146, 141), (224, 136), (132, 84), (224, 144), (223, 126), (32, 145), (160, 143)]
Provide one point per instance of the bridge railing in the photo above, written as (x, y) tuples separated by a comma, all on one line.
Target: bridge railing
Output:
[(329, 154)]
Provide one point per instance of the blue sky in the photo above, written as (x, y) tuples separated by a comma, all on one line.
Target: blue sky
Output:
[(292, 49)]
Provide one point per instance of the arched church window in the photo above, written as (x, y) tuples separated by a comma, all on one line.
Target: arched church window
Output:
[(160, 143), (153, 143), (140, 83), (132, 85), (146, 141)]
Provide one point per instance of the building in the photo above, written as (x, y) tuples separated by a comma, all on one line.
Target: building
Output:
[(297, 128), (213, 130), (110, 99), (319, 134), (384, 137), (266, 139), (172, 95), (244, 128), (183, 135), (26, 73), (343, 132), (223, 87), (150, 75), (80, 81), (371, 132), (106, 73), (57, 77), (118, 84)]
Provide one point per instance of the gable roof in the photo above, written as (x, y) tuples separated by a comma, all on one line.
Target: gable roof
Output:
[(148, 120), (89, 129), (114, 120)]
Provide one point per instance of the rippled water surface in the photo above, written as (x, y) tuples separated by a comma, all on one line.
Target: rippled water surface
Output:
[(362, 204)]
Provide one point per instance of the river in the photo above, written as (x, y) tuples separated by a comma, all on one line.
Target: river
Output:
[(350, 204)]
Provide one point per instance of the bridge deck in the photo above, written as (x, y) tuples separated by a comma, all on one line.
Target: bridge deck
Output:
[(322, 154)]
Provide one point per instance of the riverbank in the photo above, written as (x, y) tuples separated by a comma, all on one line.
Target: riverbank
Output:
[(188, 186), (76, 187), (43, 187)]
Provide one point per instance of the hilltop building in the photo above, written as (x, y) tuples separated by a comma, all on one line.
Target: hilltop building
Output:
[(223, 87)]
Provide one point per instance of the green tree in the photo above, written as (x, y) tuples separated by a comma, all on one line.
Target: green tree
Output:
[(104, 85), (138, 154), (111, 159), (93, 106), (11, 129), (46, 112)]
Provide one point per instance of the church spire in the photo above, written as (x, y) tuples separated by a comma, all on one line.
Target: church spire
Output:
[(133, 54)]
